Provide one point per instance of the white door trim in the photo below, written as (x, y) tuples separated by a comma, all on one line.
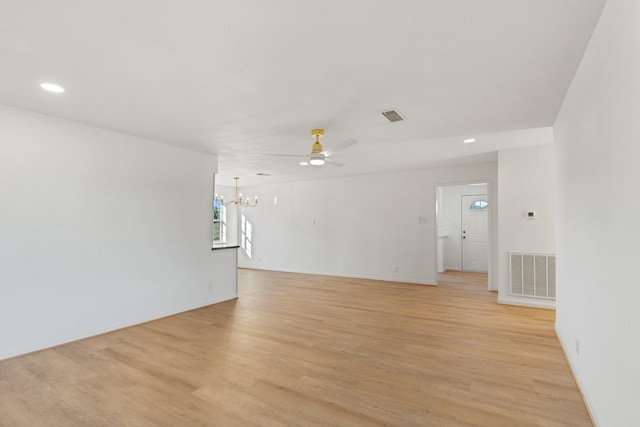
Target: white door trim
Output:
[(492, 212)]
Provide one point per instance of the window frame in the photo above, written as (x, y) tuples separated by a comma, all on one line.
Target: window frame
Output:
[(220, 219), (246, 235)]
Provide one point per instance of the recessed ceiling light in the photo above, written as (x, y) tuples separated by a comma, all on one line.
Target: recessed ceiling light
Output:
[(304, 163), (469, 141), (52, 87)]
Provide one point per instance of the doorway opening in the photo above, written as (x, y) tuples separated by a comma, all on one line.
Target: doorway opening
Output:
[(463, 232)]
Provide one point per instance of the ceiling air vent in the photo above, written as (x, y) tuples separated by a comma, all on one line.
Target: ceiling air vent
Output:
[(263, 174), (393, 116)]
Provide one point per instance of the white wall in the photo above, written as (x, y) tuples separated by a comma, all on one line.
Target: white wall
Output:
[(526, 182), (360, 226), (99, 230), (597, 137), (450, 221)]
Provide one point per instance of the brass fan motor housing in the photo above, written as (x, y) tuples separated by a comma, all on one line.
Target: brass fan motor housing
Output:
[(317, 147)]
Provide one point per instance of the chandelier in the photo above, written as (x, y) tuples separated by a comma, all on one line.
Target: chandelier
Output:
[(238, 199)]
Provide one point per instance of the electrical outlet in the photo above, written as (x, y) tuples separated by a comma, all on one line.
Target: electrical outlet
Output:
[(396, 269), (577, 346), (210, 285)]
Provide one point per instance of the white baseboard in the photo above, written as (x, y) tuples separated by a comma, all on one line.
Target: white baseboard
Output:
[(576, 377), (525, 302), (351, 276)]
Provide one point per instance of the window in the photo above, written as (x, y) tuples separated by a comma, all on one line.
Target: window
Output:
[(245, 236), (479, 205), (219, 222)]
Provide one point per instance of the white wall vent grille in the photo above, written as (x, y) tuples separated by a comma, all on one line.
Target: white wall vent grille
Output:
[(532, 275)]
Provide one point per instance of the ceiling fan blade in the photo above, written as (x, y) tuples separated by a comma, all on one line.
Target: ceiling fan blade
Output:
[(333, 162), (340, 146), (282, 155)]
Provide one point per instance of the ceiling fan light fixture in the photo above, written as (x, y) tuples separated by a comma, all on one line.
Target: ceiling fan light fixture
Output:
[(316, 159), (318, 155)]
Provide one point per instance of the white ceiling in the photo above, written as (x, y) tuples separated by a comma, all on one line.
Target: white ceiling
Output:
[(239, 77)]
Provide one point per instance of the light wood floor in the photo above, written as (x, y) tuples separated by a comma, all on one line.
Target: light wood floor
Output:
[(302, 350)]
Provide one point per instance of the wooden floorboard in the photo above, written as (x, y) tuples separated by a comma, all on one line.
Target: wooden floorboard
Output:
[(304, 350)]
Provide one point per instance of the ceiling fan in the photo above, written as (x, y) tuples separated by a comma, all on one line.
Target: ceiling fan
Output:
[(318, 155)]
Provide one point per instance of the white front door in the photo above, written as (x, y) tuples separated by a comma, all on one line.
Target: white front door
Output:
[(475, 233)]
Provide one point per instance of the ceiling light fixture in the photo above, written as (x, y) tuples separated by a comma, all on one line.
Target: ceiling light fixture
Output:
[(52, 87), (469, 141), (316, 159), (238, 200), (317, 156)]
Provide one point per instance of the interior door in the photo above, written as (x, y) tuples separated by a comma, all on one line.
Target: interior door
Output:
[(475, 233)]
